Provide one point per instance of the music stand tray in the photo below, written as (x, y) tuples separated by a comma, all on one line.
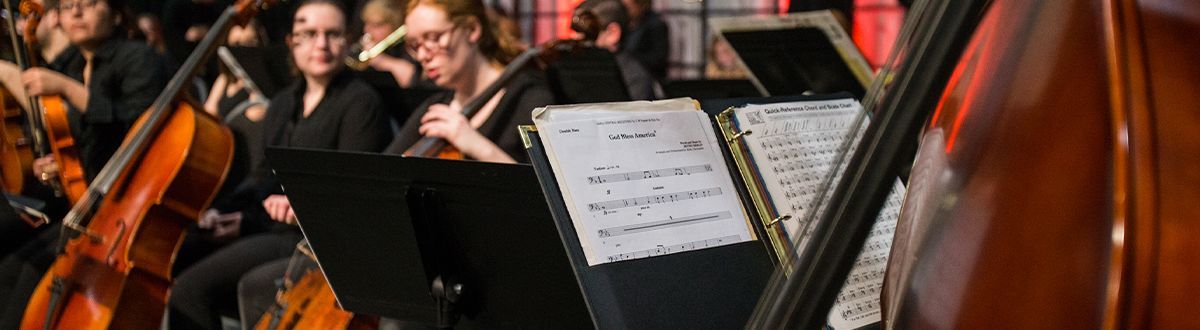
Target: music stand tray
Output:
[(385, 228)]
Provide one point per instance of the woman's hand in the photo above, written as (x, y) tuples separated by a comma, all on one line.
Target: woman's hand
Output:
[(280, 209), (449, 124), (45, 168), (42, 81)]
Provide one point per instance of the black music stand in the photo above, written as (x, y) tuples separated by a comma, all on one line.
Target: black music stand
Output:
[(397, 237)]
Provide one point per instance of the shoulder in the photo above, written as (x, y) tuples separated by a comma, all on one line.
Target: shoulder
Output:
[(527, 79), (130, 51)]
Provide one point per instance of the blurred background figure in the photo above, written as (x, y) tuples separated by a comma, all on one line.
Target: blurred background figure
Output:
[(648, 39), (722, 62)]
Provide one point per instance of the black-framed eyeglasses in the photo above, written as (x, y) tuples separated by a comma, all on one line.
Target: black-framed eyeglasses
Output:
[(334, 37)]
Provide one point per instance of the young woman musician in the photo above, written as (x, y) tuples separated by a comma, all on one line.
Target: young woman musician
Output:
[(464, 51), (326, 108), (107, 82)]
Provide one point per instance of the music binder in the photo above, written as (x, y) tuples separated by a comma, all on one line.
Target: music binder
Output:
[(400, 237), (744, 266)]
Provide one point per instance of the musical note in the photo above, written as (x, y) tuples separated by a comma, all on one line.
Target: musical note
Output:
[(655, 199), (649, 174)]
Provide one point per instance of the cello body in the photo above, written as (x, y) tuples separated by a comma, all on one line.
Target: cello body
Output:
[(71, 178), (1056, 182), (117, 274), (16, 155)]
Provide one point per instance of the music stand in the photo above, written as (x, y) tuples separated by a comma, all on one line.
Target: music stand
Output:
[(801, 53), (388, 230)]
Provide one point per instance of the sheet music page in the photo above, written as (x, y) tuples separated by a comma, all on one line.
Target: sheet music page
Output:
[(793, 145), (644, 183)]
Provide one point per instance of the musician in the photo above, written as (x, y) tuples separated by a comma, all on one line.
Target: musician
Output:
[(380, 18), (107, 82), (462, 50), (611, 30), (327, 108), (649, 38), (52, 41)]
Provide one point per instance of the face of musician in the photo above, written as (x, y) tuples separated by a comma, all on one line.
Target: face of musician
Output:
[(446, 50), (87, 23), (318, 40), (378, 21)]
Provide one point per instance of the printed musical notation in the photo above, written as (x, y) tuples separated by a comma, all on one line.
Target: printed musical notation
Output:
[(650, 174), (663, 224), (662, 250), (644, 183), (656, 199)]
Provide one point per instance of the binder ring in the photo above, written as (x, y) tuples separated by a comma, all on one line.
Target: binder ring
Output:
[(784, 217), (738, 135)]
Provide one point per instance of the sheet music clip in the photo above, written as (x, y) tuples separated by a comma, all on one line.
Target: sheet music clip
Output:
[(784, 217), (738, 135)]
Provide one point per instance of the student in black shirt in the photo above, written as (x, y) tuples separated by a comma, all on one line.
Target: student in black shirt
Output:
[(106, 81), (462, 50), (327, 108)]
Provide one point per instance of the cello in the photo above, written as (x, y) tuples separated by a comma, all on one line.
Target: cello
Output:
[(47, 122), (130, 223), (1054, 182), (16, 158)]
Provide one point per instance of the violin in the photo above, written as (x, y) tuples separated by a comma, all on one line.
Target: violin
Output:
[(131, 221), (48, 124)]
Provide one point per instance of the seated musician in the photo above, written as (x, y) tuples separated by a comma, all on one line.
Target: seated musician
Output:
[(106, 82), (609, 32), (462, 51), (326, 108), (380, 18)]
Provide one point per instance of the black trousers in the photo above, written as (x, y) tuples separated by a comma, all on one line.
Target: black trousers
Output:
[(20, 272), (208, 289)]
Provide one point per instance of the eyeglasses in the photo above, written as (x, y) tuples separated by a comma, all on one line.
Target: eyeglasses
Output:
[(433, 42), (333, 37), (82, 4)]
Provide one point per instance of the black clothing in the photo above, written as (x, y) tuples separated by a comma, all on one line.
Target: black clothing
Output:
[(526, 91), (348, 117), (638, 81), (649, 42), (126, 78)]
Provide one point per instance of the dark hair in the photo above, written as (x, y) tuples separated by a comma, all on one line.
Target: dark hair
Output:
[(493, 42), (336, 4), (603, 12)]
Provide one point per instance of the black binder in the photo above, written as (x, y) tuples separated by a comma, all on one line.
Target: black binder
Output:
[(715, 288), (384, 228)]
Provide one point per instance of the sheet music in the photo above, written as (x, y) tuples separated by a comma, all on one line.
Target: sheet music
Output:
[(644, 183), (793, 145)]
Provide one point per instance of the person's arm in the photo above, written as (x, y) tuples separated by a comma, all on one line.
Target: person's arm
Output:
[(10, 76), (401, 69), (43, 82), (215, 94)]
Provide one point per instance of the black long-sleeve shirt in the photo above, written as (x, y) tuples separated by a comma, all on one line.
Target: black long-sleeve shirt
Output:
[(126, 78)]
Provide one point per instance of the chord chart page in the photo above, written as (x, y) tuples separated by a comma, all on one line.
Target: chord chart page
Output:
[(793, 145), (645, 183)]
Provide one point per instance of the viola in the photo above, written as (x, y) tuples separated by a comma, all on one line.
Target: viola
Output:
[(131, 220)]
